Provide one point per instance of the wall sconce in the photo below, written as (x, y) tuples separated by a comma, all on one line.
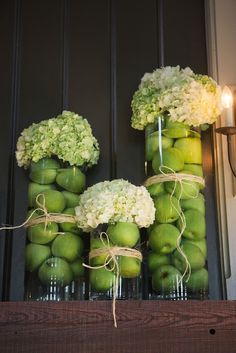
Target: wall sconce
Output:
[(229, 129)]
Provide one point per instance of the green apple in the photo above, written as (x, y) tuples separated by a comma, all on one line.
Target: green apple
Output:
[(195, 169), (152, 144), (42, 233), (101, 279), (53, 199), (195, 225), (156, 189), (55, 271), (44, 171), (185, 189), (167, 208), (163, 238), (71, 179), (171, 158), (70, 227), (34, 189), (198, 280), (43, 176), (97, 243), (67, 245), (191, 149), (35, 255), (175, 129), (72, 199), (194, 255), (124, 234), (129, 267), (198, 204), (201, 243), (165, 279), (155, 260), (44, 163), (77, 268)]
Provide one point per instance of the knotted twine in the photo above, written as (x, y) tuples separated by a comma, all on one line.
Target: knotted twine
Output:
[(112, 252), (45, 218)]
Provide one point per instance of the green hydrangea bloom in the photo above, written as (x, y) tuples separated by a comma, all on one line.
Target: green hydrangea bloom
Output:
[(67, 136)]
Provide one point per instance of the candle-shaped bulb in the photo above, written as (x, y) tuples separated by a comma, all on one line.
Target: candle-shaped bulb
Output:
[(227, 97), (227, 103)]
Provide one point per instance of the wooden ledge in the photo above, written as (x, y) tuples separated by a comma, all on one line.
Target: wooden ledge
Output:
[(143, 327)]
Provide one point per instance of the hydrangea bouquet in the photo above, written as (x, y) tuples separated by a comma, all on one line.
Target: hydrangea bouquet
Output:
[(115, 201), (180, 94), (67, 136)]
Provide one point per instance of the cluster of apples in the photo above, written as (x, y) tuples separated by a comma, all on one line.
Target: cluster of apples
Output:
[(122, 234), (54, 250), (180, 152)]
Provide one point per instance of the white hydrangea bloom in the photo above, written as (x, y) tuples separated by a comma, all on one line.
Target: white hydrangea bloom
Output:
[(115, 201), (177, 93)]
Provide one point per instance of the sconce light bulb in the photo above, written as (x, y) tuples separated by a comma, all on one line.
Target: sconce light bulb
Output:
[(227, 97)]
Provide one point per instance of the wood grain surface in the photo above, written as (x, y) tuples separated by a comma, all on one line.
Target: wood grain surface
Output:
[(143, 327)]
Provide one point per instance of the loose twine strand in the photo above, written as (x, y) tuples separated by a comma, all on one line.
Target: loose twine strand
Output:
[(111, 253), (181, 179)]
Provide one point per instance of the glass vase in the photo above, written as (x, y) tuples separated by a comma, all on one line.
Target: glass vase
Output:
[(115, 267), (55, 245), (177, 251)]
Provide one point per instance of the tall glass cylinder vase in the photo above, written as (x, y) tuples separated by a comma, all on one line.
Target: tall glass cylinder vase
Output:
[(177, 257), (54, 249), (115, 262)]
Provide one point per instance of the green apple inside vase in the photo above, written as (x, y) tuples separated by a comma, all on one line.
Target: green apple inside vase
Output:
[(166, 279), (71, 179), (155, 260), (55, 271), (44, 171), (69, 226), (68, 246), (53, 200), (175, 129), (35, 255), (163, 238)]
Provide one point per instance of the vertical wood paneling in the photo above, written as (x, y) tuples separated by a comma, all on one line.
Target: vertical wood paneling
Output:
[(136, 54), (89, 74), (184, 34), (89, 56), (40, 89), (6, 58)]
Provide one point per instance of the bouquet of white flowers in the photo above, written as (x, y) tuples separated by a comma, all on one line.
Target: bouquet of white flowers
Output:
[(178, 94), (114, 201)]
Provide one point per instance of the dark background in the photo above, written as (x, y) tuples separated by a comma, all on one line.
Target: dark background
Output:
[(89, 56)]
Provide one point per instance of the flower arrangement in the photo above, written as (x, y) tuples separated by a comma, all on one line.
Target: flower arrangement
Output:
[(179, 94), (115, 201), (67, 136)]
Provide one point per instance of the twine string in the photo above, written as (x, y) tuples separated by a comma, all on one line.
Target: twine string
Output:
[(111, 253), (181, 179), (45, 217)]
